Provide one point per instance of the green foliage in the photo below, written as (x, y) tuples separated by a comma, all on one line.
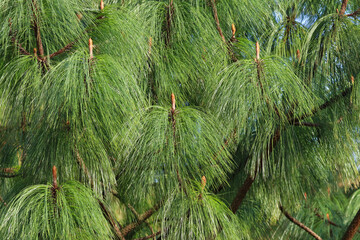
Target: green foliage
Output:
[(43, 212), (266, 110)]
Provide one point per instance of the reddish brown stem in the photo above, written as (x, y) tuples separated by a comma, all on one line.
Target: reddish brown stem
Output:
[(129, 228), (37, 29), (329, 221), (343, 7), (301, 225), (132, 209), (241, 194), (14, 41), (352, 228), (111, 220), (8, 173), (324, 105), (67, 47), (169, 19), (354, 14), (213, 5), (244, 189)]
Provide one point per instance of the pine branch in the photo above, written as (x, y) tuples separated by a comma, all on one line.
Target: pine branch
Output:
[(243, 190), (150, 236), (352, 228), (323, 106), (112, 222), (301, 225), (213, 5), (142, 218)]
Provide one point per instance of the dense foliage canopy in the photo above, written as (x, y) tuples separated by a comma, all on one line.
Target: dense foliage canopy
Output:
[(179, 119)]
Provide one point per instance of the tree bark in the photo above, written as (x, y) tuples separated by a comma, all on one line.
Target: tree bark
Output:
[(353, 227), (343, 7), (243, 190)]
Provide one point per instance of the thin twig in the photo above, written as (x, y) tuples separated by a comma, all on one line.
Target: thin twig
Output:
[(169, 19), (306, 124), (111, 220), (325, 105), (67, 47), (329, 221), (354, 14), (129, 228), (301, 225), (37, 29), (132, 209), (213, 5), (150, 236), (14, 41)]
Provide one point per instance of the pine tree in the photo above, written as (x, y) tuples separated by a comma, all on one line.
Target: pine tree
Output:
[(173, 119)]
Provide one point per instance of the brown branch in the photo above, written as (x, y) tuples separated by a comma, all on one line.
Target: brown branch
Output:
[(150, 236), (82, 165), (132, 209), (129, 228), (67, 47), (352, 228), (14, 41), (323, 106), (241, 194), (301, 225), (343, 7), (354, 14), (54, 187), (8, 173), (213, 5), (244, 189), (169, 16), (37, 29), (111, 220), (329, 221)]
